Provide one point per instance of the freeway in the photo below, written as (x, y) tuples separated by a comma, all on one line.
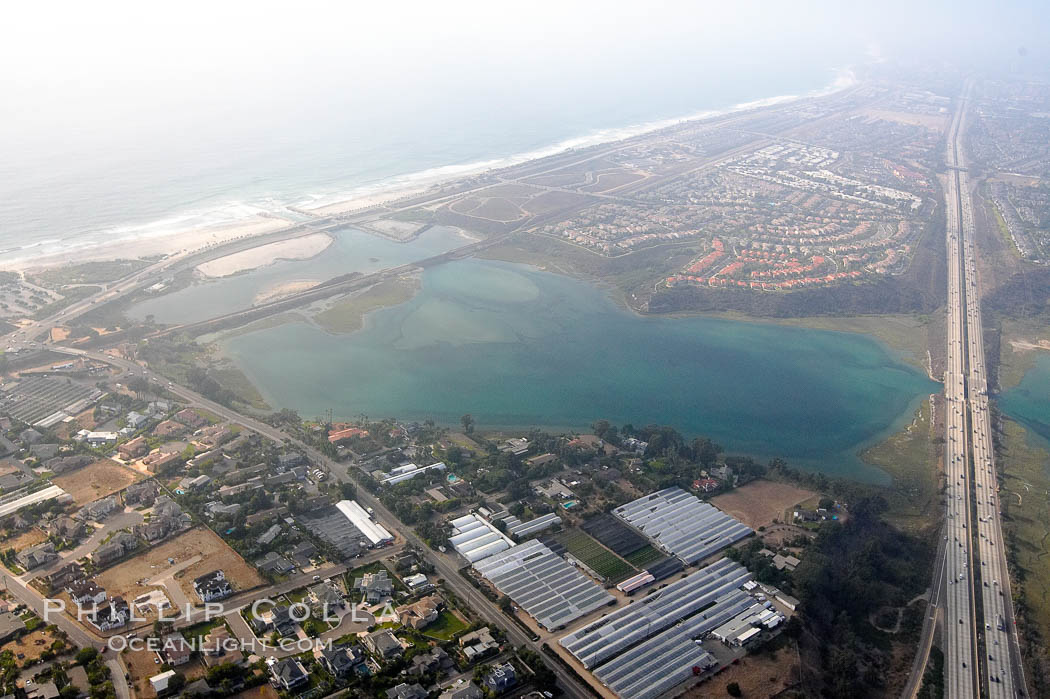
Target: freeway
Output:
[(1001, 666), (960, 637), (976, 658)]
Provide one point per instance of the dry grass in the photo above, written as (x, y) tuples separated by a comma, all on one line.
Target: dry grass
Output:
[(759, 676), (123, 579), (141, 667), (96, 480), (758, 503), (28, 645), (30, 537)]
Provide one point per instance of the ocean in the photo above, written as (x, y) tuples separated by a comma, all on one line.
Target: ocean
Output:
[(70, 191)]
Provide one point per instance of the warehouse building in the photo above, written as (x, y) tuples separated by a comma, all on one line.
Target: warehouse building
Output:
[(681, 524), (702, 590), (376, 534), (543, 584), (476, 539)]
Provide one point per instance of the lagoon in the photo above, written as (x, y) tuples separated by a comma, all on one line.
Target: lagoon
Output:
[(518, 347)]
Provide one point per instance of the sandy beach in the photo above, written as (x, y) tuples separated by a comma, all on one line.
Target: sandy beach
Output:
[(301, 248), (180, 242), (366, 200)]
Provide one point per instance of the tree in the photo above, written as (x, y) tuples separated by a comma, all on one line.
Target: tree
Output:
[(468, 423), (86, 655)]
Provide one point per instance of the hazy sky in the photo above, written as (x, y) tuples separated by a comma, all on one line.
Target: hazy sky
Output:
[(106, 57)]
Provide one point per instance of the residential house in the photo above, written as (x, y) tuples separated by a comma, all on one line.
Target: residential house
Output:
[(464, 691), (406, 691), (111, 615), (417, 582), (212, 586), (204, 459), (287, 674), (286, 461), (436, 661), (383, 643), (121, 544), (516, 446), (268, 536), (65, 527), (133, 449), (100, 509), (168, 428), (216, 509), (142, 493), (212, 437), (303, 554), (160, 682), (44, 690), (36, 556), (160, 461), (422, 613), (190, 418), (326, 598), (274, 563), (195, 482), (78, 679), (478, 644), (374, 586), (86, 593), (61, 578), (175, 649), (219, 648), (11, 625), (342, 661), (96, 439), (282, 622), (500, 678), (63, 464), (135, 420)]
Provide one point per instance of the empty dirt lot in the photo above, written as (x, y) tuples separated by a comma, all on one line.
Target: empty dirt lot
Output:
[(124, 579), (96, 480), (758, 503)]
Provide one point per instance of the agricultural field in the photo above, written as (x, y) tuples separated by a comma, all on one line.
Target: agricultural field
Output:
[(595, 556), (644, 556), (96, 480)]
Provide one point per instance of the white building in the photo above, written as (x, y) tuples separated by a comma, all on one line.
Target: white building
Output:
[(376, 534)]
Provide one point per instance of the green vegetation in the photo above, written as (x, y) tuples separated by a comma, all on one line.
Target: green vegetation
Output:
[(96, 272), (644, 556), (595, 556), (190, 364), (910, 458), (69, 297), (1026, 525), (851, 571), (446, 626), (347, 314)]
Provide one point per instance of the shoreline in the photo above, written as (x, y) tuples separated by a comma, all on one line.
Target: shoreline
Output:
[(373, 195), (300, 248)]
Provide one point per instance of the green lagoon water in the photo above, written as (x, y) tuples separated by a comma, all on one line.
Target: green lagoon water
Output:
[(352, 250), (1029, 401), (518, 347)]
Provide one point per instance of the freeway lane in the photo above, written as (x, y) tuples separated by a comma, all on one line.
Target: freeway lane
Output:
[(1000, 661)]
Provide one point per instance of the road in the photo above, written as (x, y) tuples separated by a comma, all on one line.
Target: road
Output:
[(446, 566), (1001, 666), (981, 650), (960, 634)]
